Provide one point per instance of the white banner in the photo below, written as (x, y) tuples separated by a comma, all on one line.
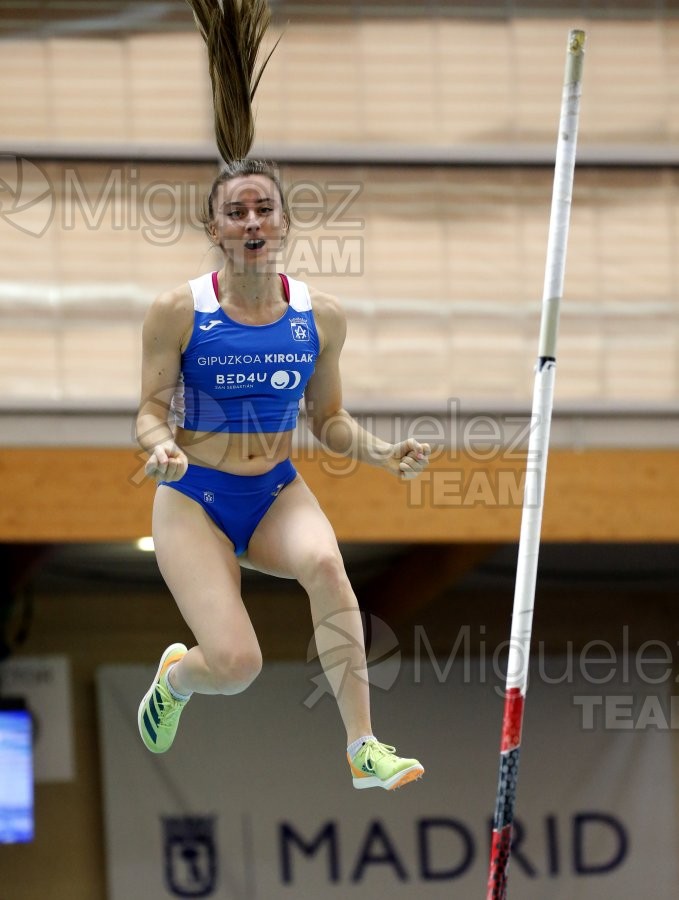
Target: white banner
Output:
[(254, 801)]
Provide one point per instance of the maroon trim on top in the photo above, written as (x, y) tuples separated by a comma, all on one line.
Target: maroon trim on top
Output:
[(286, 287), (284, 279)]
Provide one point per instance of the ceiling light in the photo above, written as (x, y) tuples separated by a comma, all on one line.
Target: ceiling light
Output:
[(145, 544)]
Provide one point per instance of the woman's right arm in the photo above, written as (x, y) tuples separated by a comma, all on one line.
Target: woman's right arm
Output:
[(167, 323)]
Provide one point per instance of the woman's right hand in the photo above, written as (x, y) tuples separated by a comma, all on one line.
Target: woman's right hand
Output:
[(166, 462)]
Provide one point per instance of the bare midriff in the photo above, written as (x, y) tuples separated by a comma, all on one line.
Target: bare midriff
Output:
[(251, 453)]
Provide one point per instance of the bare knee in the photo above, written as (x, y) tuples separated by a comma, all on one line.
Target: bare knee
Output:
[(233, 671), (323, 569)]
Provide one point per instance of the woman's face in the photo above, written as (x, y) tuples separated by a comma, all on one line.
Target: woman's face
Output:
[(249, 222)]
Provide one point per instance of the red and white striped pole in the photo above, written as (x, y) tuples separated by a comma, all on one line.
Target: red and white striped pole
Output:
[(536, 471)]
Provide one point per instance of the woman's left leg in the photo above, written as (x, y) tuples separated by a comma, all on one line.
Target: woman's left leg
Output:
[(296, 540)]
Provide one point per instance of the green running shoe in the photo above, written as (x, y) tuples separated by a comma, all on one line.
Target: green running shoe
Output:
[(159, 712), (376, 765)]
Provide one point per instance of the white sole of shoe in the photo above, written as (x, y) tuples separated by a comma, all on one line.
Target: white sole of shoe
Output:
[(391, 784)]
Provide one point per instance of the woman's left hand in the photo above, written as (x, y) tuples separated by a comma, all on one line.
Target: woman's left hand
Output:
[(409, 458)]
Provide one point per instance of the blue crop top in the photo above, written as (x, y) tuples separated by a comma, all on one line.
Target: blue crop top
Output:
[(245, 378)]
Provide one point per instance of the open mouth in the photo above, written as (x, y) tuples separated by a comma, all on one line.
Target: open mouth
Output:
[(254, 245)]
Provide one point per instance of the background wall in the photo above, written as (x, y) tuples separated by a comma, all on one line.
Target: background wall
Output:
[(431, 223)]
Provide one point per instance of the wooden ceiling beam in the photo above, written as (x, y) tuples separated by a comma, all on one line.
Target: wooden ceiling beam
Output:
[(92, 494)]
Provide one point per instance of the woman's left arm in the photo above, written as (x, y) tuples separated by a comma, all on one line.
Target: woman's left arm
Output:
[(330, 423)]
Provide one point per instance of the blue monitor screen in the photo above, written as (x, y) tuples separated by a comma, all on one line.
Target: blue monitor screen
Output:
[(16, 775)]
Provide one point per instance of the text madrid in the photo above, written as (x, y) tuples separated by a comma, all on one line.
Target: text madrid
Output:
[(444, 849)]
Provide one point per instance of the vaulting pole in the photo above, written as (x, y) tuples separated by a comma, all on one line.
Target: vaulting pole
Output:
[(536, 471)]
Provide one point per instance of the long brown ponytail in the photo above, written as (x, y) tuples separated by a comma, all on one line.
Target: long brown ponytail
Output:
[(233, 31)]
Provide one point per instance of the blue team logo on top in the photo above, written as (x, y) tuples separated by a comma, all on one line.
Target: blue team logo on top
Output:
[(300, 329), (190, 855)]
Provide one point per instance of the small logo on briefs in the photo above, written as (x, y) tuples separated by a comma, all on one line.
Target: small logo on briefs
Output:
[(208, 497)]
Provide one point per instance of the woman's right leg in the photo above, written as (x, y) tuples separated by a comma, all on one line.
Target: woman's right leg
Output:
[(202, 571)]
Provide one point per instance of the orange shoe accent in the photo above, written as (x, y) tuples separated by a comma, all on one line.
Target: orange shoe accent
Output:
[(170, 661), (357, 773), (407, 778)]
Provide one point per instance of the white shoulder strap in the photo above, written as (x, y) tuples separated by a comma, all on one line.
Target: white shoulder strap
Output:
[(300, 299), (204, 299)]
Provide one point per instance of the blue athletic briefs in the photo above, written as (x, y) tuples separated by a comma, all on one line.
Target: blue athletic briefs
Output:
[(236, 503)]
